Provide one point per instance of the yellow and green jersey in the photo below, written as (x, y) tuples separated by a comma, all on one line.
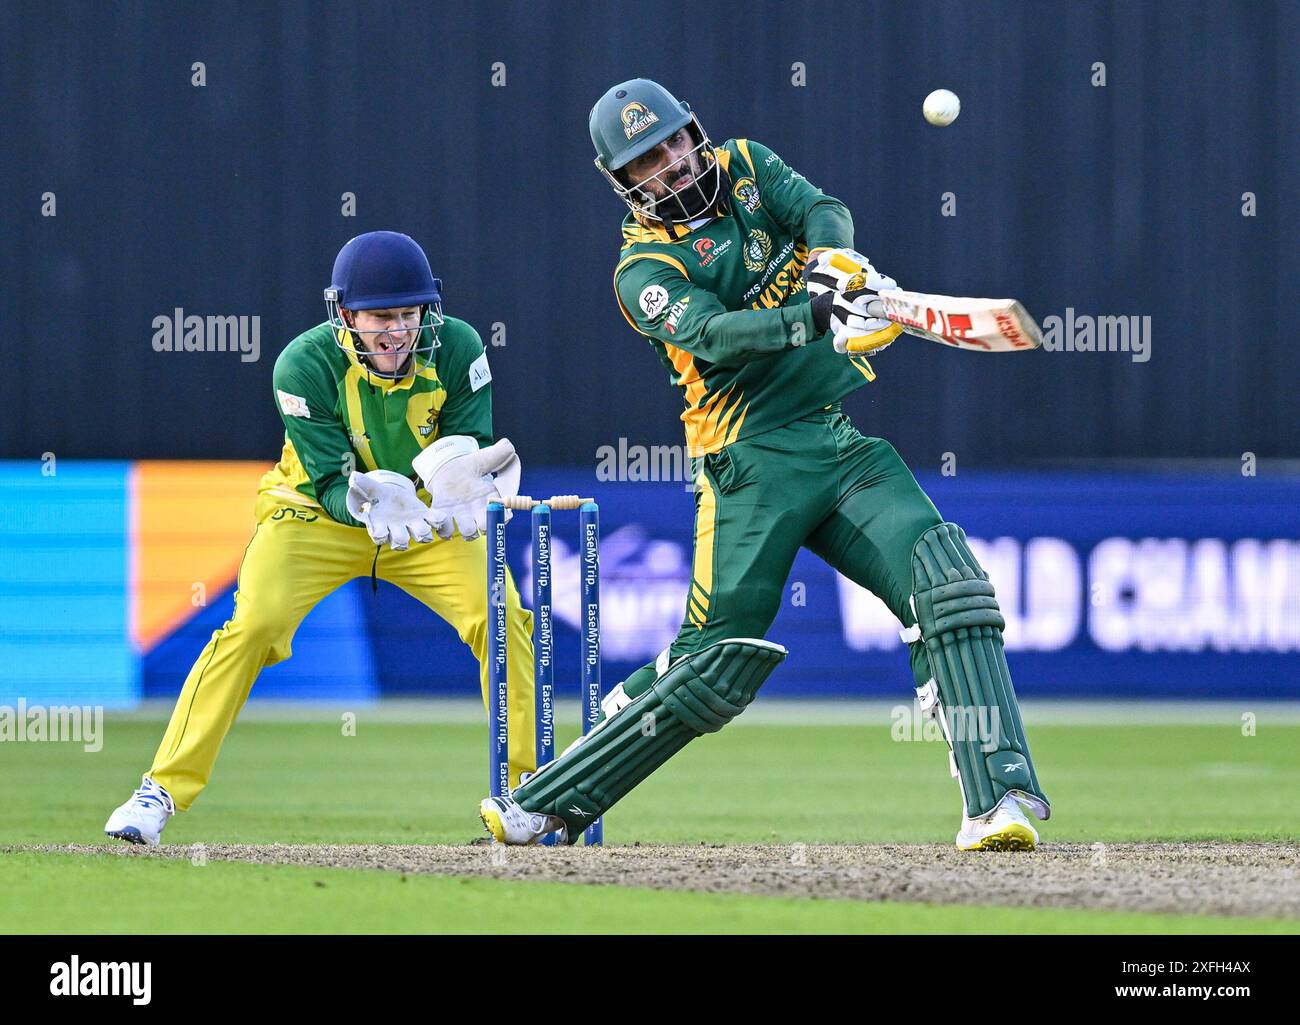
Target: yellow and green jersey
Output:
[(339, 417), (724, 304)]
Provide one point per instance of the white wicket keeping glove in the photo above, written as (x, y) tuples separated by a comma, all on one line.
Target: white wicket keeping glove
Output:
[(386, 503), (459, 478)]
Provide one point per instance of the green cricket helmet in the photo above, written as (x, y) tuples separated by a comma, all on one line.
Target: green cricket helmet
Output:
[(629, 121)]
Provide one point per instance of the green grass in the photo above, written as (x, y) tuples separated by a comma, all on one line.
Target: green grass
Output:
[(419, 782), (304, 782), (133, 895)]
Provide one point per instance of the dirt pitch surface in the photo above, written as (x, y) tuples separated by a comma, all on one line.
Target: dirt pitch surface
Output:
[(1239, 879)]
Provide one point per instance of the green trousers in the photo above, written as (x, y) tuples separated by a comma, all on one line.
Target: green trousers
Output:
[(816, 483)]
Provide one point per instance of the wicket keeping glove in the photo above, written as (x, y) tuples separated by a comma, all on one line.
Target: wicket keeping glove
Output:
[(386, 503), (459, 477)]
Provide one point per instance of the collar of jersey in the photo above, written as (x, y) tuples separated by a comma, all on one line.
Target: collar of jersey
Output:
[(680, 231)]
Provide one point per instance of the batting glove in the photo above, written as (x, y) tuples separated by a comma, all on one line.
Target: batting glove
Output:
[(841, 270), (854, 317), (386, 503)]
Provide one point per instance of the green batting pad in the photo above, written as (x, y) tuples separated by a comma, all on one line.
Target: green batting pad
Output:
[(961, 626), (699, 693)]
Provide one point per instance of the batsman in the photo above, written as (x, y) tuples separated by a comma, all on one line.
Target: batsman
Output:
[(743, 277)]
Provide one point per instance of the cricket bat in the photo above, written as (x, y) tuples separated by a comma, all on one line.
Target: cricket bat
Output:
[(985, 325)]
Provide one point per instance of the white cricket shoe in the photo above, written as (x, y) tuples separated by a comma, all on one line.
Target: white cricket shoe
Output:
[(510, 824), (1005, 828), (142, 818)]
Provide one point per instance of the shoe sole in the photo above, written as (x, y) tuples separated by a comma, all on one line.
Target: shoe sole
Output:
[(491, 820), (1014, 837), (131, 835)]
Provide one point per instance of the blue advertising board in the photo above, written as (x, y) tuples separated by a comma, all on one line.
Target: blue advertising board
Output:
[(1113, 585)]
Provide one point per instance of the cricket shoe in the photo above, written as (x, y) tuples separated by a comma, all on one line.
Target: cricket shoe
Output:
[(510, 824), (142, 818), (1005, 828)]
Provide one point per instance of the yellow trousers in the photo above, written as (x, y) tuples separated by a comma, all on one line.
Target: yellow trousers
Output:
[(297, 556)]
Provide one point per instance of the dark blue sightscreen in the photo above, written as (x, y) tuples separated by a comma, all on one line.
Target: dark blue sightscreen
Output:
[(225, 199)]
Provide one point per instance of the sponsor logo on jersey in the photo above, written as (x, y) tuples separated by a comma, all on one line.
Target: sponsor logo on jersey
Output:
[(675, 314), (757, 250), (429, 403), (653, 301), (430, 424), (708, 250), (636, 119), (293, 405), (294, 514), (746, 193), (479, 372)]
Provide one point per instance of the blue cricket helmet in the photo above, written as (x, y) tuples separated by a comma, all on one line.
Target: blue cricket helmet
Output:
[(383, 270)]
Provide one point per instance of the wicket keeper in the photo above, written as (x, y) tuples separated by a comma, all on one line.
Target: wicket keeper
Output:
[(742, 276), (385, 392)]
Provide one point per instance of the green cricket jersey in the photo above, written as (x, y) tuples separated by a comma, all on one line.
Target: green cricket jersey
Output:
[(725, 308), (338, 416)]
